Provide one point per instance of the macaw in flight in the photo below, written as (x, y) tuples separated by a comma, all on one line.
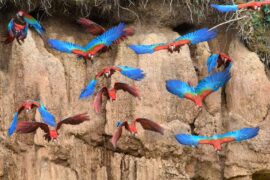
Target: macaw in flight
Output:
[(111, 94), (131, 127), (234, 8), (130, 72), (50, 134), (217, 140), (193, 38), (205, 87), (16, 31), (28, 105), (217, 60), (96, 29), (95, 46)]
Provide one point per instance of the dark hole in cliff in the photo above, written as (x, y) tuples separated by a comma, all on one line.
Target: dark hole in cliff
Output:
[(184, 28), (261, 175)]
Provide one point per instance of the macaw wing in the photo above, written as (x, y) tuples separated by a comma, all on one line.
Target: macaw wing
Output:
[(117, 134), (212, 62), (29, 127), (46, 116), (242, 134), (150, 125), (191, 140), (212, 83), (129, 31), (148, 49), (10, 28), (179, 88), (98, 99), (225, 8), (64, 46), (34, 23), (92, 27), (89, 89), (107, 38), (13, 124), (198, 36), (127, 88), (74, 120), (132, 73)]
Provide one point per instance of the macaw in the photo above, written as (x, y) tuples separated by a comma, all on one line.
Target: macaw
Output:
[(130, 72), (96, 29), (111, 94), (98, 44), (234, 8), (24, 17), (217, 140), (50, 134), (193, 38), (217, 60), (205, 87), (16, 31), (29, 105), (131, 127)]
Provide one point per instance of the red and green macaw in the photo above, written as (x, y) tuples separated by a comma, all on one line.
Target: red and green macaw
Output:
[(130, 72), (31, 21), (217, 60), (50, 133), (111, 94), (205, 87), (193, 38), (217, 140), (131, 127), (97, 45), (234, 8)]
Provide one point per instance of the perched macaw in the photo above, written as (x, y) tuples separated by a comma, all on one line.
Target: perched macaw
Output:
[(205, 87), (131, 127), (16, 31), (217, 140), (100, 43), (29, 127), (23, 16), (233, 8), (96, 29), (217, 60), (111, 94), (193, 38), (130, 72)]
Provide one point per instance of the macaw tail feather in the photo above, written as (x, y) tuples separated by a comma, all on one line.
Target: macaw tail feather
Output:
[(132, 73), (179, 88), (142, 49), (64, 46), (13, 124), (246, 133), (46, 116), (212, 62), (187, 139), (225, 8), (89, 90)]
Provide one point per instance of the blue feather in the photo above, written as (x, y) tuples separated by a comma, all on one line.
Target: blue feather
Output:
[(242, 134), (35, 24), (187, 139), (212, 62), (13, 124), (46, 116), (179, 88), (118, 123), (11, 25), (132, 73), (64, 46), (89, 90), (198, 36), (225, 8), (145, 49)]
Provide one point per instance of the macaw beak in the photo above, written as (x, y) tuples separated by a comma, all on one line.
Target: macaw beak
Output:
[(106, 75)]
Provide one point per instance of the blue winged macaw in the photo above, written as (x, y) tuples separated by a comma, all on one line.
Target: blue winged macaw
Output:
[(205, 87), (234, 8), (95, 46), (130, 72), (23, 16), (217, 140), (195, 37), (50, 133), (217, 60), (131, 127), (16, 31)]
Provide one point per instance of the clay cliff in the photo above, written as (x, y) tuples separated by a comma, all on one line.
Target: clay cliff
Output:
[(34, 71)]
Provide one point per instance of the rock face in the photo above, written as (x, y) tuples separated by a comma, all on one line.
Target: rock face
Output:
[(32, 71)]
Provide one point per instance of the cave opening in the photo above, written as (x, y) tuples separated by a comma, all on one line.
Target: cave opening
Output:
[(261, 175), (184, 28)]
